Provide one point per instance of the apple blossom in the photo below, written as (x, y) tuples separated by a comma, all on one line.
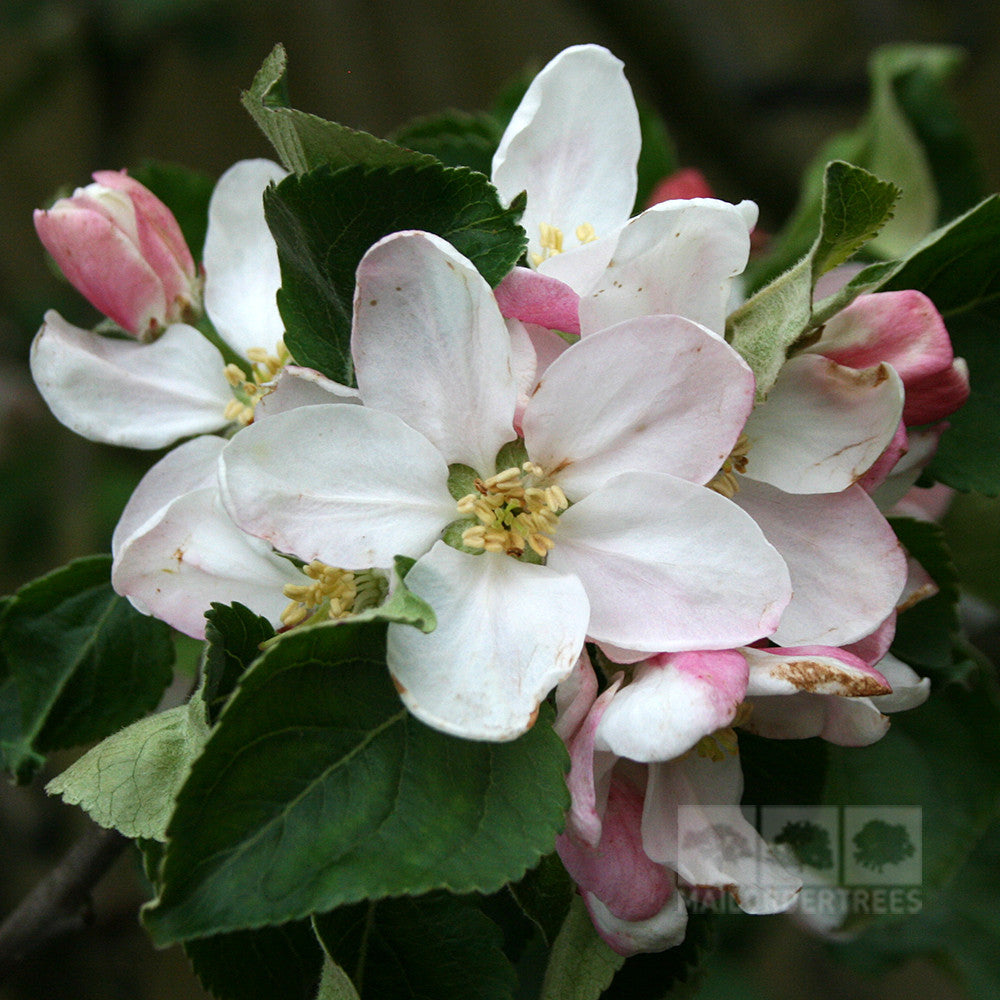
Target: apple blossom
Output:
[(123, 250), (148, 395), (602, 512)]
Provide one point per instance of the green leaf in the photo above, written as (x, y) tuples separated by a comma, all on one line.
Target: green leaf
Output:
[(544, 895), (958, 268), (235, 636), (581, 966), (433, 946), (77, 662), (910, 136), (669, 974), (129, 780), (335, 983), (767, 327), (927, 634), (270, 963), (959, 929), (318, 789), (937, 757), (324, 222), (303, 141), (456, 138), (185, 192)]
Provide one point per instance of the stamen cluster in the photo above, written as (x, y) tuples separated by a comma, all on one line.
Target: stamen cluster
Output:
[(725, 481), (248, 392), (344, 591), (551, 240), (514, 513)]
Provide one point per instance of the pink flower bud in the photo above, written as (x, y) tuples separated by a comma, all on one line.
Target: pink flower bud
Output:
[(122, 249)]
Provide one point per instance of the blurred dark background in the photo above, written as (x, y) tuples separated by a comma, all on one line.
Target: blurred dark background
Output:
[(749, 91)]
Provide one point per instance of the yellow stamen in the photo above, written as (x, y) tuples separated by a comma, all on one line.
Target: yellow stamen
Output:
[(551, 240), (725, 481), (248, 392), (343, 591), (513, 512)]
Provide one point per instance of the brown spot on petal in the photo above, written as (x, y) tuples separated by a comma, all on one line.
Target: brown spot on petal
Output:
[(809, 675), (399, 687), (533, 718)]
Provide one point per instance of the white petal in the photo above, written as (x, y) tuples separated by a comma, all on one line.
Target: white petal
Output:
[(191, 555), (507, 633), (572, 144), (848, 722), (909, 689), (654, 394), (673, 701), (670, 566), (242, 274), (430, 346), (815, 669), (296, 386), (126, 393), (629, 937), (351, 486), (847, 567), (677, 257), (190, 466), (822, 425), (692, 823)]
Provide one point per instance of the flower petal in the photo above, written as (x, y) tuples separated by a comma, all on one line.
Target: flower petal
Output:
[(662, 394), (190, 466), (674, 700), (665, 929), (192, 554), (692, 823), (296, 386), (847, 722), (242, 274), (822, 425), (451, 378), (847, 567), (909, 689), (126, 393), (507, 633), (815, 669), (533, 297), (351, 486), (670, 566), (572, 144), (678, 257)]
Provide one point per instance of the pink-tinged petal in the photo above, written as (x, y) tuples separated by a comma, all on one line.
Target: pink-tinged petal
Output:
[(451, 377), (653, 394), (191, 555), (822, 425), (351, 486), (909, 689), (590, 773), (692, 823), (678, 257), (872, 647), (847, 567), (296, 386), (533, 297), (665, 929), (618, 655), (524, 363), (159, 233), (673, 701), (882, 467), (921, 446), (681, 184), (507, 633), (572, 144), (124, 393), (814, 669), (574, 697), (617, 870), (919, 586), (188, 467), (904, 329), (847, 722), (103, 262), (670, 566), (242, 275)]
